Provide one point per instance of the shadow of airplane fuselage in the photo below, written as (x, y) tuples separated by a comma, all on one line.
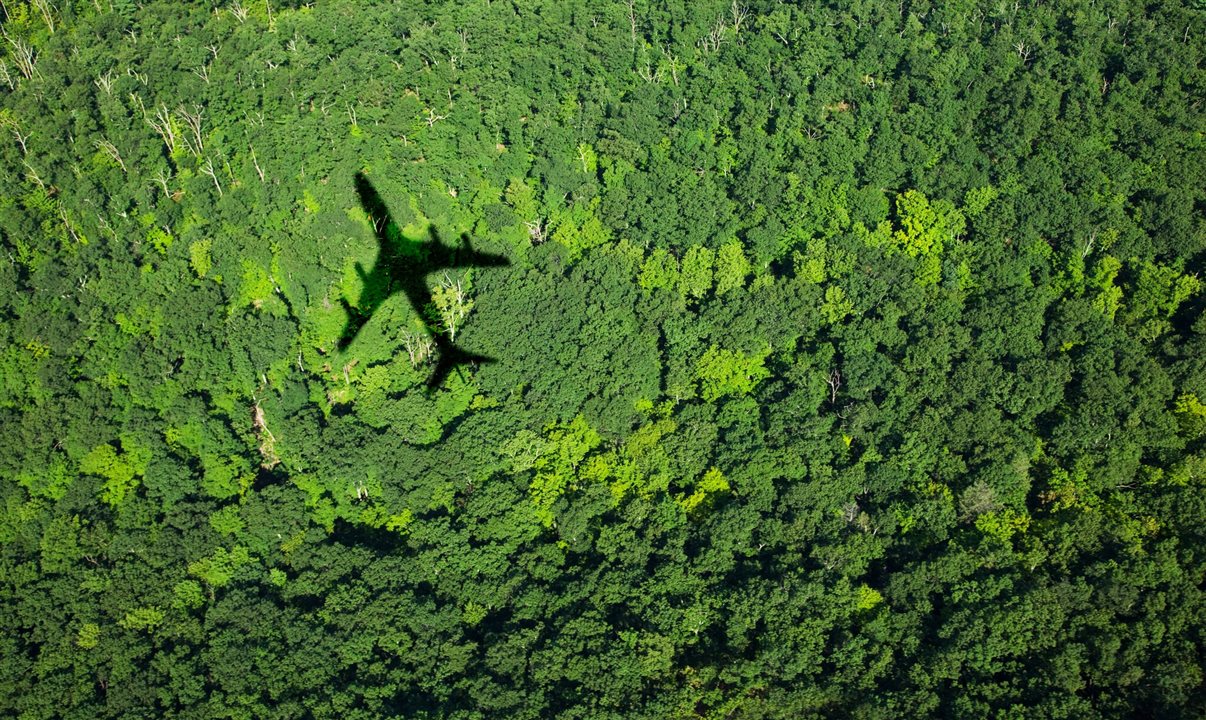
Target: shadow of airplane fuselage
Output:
[(402, 266)]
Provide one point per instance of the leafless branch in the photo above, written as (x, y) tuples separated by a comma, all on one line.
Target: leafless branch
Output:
[(192, 121), (208, 169), (256, 162), (834, 381), (111, 150)]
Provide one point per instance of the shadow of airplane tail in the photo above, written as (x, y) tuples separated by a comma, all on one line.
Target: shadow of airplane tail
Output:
[(451, 357)]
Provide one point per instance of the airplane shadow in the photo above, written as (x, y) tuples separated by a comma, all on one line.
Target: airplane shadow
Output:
[(402, 266)]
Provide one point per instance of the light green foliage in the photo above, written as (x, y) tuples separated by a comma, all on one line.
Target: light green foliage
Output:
[(88, 636), (866, 597), (1003, 524), (390, 396), (217, 569), (187, 595), (1109, 297), (1156, 294), (51, 481), (732, 267), (709, 486), (1071, 489), (836, 306), (142, 319), (399, 522), (565, 447), (925, 228), (225, 477), (1192, 414), (578, 229), (160, 239), (60, 544), (199, 258), (659, 271), (977, 200), (474, 613), (309, 202), (696, 278), (810, 264), (256, 289), (121, 470), (722, 372), (142, 619), (522, 198), (227, 521), (640, 465)]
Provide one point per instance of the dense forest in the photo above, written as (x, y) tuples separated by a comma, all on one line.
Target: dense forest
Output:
[(843, 359)]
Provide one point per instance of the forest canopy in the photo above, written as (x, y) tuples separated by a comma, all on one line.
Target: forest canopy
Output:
[(840, 359)]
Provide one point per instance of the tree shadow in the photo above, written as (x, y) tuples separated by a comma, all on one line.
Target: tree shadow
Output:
[(402, 266)]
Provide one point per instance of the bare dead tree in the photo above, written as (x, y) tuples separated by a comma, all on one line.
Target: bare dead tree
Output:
[(10, 122), (680, 106), (4, 74), (834, 381), (432, 118), (535, 231), (68, 224), (1088, 246), (208, 169), (202, 71), (47, 11), (162, 123), (738, 15), (419, 347), (451, 304), (33, 174), (648, 74), (267, 440), (715, 37), (23, 55), (672, 61), (239, 12), (111, 150), (162, 177), (256, 162), (632, 21), (850, 512), (104, 225), (105, 82), (21, 138), (192, 120)]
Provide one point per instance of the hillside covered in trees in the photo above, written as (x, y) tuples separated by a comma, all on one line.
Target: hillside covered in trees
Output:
[(840, 359)]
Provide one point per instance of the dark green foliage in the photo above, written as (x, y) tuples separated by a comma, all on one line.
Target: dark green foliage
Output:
[(850, 360)]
